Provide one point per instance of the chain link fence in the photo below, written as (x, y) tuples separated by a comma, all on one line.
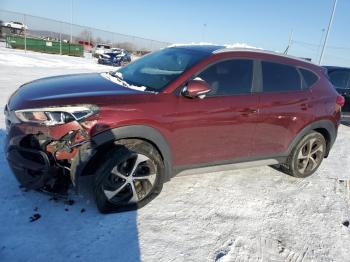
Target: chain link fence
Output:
[(28, 26)]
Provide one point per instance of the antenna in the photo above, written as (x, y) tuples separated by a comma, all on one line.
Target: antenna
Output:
[(289, 42)]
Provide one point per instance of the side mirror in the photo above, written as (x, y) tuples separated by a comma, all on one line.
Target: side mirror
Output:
[(196, 88)]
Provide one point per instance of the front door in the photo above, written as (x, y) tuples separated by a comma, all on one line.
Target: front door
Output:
[(219, 127)]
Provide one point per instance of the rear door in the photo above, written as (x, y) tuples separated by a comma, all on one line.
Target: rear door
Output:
[(283, 108), (220, 126)]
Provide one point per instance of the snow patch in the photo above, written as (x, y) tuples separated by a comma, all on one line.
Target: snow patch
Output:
[(234, 45), (30, 59), (191, 44), (258, 249)]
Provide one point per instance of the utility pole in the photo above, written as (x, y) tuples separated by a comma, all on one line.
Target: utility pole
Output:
[(320, 44), (327, 32), (71, 22), (60, 38), (25, 33), (204, 29)]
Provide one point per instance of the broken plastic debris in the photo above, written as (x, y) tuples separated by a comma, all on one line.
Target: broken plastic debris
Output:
[(34, 217), (69, 202)]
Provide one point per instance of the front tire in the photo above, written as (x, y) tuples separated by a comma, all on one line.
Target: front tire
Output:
[(306, 156), (130, 178)]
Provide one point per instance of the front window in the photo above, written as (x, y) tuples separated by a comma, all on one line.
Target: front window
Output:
[(156, 70), (231, 77)]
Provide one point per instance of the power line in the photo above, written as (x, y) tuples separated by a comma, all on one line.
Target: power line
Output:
[(316, 45)]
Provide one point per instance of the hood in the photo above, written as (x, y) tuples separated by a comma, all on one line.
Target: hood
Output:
[(67, 86)]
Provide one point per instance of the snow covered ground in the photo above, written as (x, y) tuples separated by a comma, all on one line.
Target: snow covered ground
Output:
[(236, 215)]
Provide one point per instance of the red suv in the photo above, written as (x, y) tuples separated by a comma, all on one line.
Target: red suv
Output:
[(179, 108)]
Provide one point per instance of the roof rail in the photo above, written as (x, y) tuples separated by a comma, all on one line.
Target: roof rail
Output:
[(256, 50)]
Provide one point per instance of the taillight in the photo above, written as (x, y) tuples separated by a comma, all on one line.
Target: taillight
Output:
[(340, 101)]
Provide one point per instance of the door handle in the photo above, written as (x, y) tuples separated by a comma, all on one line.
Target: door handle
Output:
[(304, 106), (247, 111)]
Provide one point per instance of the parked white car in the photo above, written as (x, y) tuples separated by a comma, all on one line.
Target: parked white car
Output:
[(101, 49), (15, 25)]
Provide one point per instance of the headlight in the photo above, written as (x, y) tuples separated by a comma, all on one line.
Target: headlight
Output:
[(51, 116)]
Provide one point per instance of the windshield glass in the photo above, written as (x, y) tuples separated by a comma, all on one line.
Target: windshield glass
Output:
[(156, 70)]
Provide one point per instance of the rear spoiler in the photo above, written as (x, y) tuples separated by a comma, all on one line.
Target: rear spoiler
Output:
[(324, 70)]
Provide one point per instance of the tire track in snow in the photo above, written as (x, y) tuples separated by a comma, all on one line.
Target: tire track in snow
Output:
[(258, 249)]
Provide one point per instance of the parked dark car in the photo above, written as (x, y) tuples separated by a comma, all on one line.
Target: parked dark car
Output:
[(179, 108), (340, 78), (115, 58)]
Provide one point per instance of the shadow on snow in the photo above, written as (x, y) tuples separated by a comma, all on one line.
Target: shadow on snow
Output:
[(64, 231)]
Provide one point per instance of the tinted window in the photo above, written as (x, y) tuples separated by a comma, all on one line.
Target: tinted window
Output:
[(280, 77), (309, 77), (339, 78), (229, 77)]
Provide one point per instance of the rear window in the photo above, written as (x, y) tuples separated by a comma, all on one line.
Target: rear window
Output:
[(309, 77), (103, 46), (280, 77)]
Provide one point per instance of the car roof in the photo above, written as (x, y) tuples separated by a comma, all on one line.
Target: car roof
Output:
[(262, 51), (218, 49)]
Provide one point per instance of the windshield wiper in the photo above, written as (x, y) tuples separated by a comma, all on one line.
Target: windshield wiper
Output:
[(119, 76), (114, 74), (120, 81)]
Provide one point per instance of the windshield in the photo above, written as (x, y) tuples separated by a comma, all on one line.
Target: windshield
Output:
[(156, 70), (103, 46)]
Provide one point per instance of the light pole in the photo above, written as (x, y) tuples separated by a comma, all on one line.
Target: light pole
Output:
[(71, 22), (320, 44), (204, 29), (327, 32)]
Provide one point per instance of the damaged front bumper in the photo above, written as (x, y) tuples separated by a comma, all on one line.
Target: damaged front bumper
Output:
[(43, 156)]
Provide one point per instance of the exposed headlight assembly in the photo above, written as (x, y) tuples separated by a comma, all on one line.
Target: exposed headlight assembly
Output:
[(51, 116)]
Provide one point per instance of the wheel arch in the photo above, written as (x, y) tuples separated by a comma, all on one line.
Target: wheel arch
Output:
[(325, 127), (102, 142)]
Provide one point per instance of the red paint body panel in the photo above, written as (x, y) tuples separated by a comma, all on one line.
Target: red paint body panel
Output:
[(209, 130), (281, 117)]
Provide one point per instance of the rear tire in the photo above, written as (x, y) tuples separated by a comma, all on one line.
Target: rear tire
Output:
[(131, 177), (306, 156)]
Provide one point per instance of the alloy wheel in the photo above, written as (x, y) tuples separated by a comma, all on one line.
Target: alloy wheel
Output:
[(310, 156), (131, 180)]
